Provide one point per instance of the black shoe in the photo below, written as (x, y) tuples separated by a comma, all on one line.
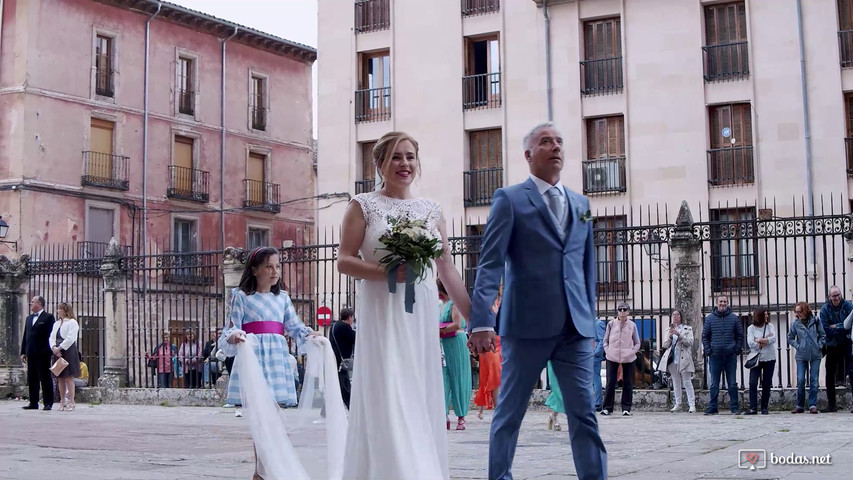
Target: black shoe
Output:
[(764, 411), (47, 407), (711, 412), (31, 407), (829, 410), (750, 412)]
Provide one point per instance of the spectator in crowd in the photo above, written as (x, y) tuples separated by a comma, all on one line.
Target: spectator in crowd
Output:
[(806, 335), (677, 360), (621, 344), (761, 336), (36, 354), (832, 316), (342, 338), (489, 365), (165, 355), (722, 341), (457, 359), (63, 341), (211, 363), (555, 400), (83, 379), (597, 358), (189, 356)]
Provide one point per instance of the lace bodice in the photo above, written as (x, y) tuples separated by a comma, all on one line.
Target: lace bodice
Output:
[(377, 208)]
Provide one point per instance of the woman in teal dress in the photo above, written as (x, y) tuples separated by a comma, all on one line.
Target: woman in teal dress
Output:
[(555, 400), (456, 363)]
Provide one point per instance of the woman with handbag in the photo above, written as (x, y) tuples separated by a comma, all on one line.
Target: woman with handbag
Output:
[(760, 336), (63, 339), (677, 360), (457, 361), (807, 336)]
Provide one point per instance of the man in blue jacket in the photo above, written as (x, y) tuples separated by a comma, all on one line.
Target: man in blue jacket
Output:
[(832, 316), (597, 358), (722, 340)]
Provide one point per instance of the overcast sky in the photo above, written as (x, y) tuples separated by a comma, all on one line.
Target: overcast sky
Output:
[(294, 20)]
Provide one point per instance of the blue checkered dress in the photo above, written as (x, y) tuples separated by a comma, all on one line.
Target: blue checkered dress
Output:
[(278, 364)]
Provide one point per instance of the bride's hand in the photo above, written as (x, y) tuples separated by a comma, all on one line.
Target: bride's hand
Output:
[(401, 273)]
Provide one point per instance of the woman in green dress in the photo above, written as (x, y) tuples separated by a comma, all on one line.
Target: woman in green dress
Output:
[(456, 361), (555, 400)]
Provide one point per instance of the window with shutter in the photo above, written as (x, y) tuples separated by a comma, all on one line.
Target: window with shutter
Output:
[(368, 169), (734, 261), (104, 66), (604, 168), (730, 159), (485, 161), (845, 35), (848, 102), (726, 49), (601, 70), (611, 255)]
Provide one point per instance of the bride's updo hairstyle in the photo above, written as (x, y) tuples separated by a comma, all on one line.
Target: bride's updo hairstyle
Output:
[(384, 150)]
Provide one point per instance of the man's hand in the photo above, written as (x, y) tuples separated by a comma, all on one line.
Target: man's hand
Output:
[(23, 359), (482, 342)]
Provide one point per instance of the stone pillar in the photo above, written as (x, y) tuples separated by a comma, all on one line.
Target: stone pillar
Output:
[(115, 321), (13, 311), (687, 282), (232, 270)]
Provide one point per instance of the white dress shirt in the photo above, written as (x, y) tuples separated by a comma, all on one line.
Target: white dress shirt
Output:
[(38, 314)]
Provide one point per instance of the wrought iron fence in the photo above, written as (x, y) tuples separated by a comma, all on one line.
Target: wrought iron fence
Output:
[(845, 50), (372, 15), (730, 166), (601, 76), (480, 185), (728, 61), (105, 170), (364, 186), (481, 91), (604, 175), (188, 184), (373, 104), (479, 7)]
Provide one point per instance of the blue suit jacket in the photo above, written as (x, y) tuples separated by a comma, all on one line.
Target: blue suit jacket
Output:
[(546, 278)]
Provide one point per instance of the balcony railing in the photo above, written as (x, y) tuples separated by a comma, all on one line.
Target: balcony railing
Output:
[(105, 170), (259, 118), (188, 184), (364, 186), (730, 166), (96, 250), (372, 15), (849, 143), (729, 61), (845, 40), (604, 175), (601, 76), (480, 185), (104, 82), (373, 104), (481, 91), (262, 196), (479, 7), (186, 102)]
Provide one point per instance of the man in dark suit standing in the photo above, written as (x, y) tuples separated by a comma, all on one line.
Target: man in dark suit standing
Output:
[(342, 337), (36, 353)]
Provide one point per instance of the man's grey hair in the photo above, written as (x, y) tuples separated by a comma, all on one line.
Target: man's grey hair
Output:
[(529, 137), (834, 287)]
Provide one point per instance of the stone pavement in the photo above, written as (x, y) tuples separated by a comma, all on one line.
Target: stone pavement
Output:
[(117, 442)]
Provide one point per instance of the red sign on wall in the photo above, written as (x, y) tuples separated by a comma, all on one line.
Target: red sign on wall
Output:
[(324, 316)]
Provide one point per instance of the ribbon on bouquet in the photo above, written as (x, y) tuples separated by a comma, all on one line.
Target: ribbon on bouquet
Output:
[(409, 297)]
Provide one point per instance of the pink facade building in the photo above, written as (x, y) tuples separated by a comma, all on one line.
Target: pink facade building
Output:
[(140, 119)]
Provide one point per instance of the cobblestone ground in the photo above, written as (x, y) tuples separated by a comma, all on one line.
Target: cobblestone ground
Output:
[(113, 442)]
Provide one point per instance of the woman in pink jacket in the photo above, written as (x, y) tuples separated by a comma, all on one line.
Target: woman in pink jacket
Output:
[(621, 343)]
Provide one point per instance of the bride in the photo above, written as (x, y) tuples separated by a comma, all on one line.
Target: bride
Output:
[(397, 423)]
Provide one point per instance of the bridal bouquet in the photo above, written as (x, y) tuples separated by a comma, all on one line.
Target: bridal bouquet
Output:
[(408, 242)]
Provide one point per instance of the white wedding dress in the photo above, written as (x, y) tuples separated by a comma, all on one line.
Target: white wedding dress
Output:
[(396, 423)]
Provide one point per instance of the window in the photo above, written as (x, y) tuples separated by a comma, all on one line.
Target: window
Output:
[(186, 86), (257, 237), (485, 173), (259, 103), (479, 7), (730, 159), (601, 70), (373, 98), (256, 174), (368, 170), (734, 259), (726, 50), (611, 254), (100, 229), (604, 168), (845, 34), (185, 181), (372, 15), (848, 103), (481, 86), (473, 241), (104, 66), (184, 239), (101, 167)]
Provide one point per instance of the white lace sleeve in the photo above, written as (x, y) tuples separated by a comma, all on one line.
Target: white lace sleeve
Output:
[(369, 208)]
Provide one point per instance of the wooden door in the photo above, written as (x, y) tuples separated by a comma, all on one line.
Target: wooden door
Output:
[(101, 149), (182, 176), (255, 173)]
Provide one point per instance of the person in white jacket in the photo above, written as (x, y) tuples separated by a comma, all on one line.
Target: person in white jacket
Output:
[(761, 338), (63, 343), (678, 361)]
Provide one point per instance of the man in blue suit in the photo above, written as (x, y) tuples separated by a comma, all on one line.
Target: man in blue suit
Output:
[(539, 239)]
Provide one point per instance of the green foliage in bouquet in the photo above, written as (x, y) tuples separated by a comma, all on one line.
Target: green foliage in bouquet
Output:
[(410, 242)]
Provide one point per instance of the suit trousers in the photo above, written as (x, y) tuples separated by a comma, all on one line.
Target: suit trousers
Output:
[(523, 361), (38, 373)]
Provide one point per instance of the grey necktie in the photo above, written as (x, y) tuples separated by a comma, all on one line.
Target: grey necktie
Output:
[(555, 204)]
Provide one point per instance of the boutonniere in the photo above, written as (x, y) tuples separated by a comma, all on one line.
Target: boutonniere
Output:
[(586, 216)]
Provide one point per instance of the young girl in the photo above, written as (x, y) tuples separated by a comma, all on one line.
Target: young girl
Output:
[(260, 306)]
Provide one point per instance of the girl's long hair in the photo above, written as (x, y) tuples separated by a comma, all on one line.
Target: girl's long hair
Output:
[(248, 282)]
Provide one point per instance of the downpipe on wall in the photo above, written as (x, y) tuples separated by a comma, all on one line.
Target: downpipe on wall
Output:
[(811, 268), (222, 149), (143, 240)]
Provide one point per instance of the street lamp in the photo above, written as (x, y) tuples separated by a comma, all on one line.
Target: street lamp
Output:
[(4, 230)]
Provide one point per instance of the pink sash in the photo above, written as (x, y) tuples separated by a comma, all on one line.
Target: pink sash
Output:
[(264, 327)]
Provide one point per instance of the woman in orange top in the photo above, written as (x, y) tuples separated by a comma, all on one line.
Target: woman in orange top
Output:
[(490, 371)]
